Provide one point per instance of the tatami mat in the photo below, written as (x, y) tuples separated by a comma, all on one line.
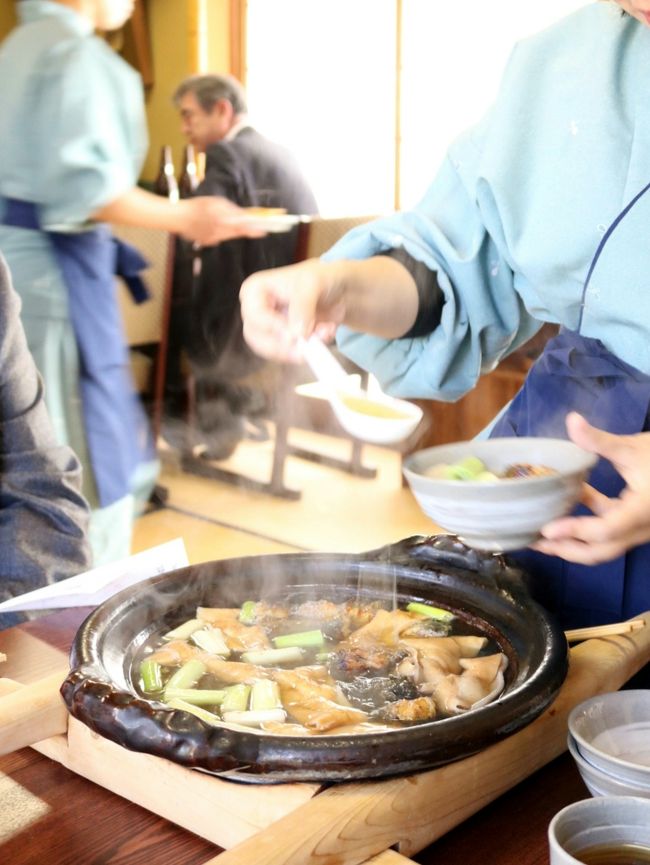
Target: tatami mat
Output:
[(204, 540), (337, 511)]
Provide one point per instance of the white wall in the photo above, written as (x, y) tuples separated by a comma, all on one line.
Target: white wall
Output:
[(467, 45), (321, 81)]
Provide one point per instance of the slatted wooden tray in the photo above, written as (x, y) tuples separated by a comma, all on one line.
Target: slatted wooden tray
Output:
[(383, 822)]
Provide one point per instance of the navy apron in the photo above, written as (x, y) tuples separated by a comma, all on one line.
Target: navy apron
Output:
[(578, 373), (116, 429)]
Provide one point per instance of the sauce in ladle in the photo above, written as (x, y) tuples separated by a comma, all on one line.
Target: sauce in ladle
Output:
[(368, 406)]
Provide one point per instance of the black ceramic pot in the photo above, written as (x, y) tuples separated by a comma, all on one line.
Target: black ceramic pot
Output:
[(480, 588)]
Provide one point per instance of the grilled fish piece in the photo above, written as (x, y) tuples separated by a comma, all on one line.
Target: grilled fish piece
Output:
[(336, 621), (351, 661), (414, 711), (370, 693)]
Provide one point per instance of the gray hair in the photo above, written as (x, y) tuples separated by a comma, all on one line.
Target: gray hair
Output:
[(209, 89)]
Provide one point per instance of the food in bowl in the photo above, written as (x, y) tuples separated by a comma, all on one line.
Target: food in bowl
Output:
[(265, 211), (471, 468), (321, 667), (509, 513)]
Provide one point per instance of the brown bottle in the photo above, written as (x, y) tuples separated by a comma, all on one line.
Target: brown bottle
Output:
[(165, 183), (189, 179)]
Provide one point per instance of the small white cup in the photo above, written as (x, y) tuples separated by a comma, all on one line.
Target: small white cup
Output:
[(604, 821)]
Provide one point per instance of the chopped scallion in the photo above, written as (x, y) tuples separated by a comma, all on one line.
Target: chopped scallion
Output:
[(196, 696), (265, 694), (247, 613), (274, 657), (235, 698), (203, 714), (303, 639), (432, 612), (211, 640), (151, 676), (187, 676), (255, 718), (182, 632)]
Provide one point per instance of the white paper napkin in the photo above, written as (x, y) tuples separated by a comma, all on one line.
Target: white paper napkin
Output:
[(93, 587)]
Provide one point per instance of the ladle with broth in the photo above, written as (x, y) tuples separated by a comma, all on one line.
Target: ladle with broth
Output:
[(373, 417)]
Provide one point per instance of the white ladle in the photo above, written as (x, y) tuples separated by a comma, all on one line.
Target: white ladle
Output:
[(376, 417)]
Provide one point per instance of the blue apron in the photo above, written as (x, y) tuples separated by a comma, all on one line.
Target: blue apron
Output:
[(578, 373), (116, 428)]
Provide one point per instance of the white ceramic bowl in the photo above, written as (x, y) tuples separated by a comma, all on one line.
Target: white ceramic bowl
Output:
[(502, 514), (612, 733), (399, 422), (600, 782), (601, 822)]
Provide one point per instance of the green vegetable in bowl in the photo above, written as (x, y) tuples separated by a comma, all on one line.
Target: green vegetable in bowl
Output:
[(469, 469)]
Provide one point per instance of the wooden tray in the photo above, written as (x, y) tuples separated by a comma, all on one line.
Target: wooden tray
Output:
[(346, 824)]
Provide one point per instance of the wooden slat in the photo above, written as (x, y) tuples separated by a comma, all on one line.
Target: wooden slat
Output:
[(220, 811), (28, 657), (32, 713), (347, 824)]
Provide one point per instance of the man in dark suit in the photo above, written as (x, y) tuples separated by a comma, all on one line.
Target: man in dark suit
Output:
[(247, 168)]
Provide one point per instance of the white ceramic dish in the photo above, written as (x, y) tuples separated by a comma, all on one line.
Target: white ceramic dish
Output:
[(503, 514), (376, 418), (612, 733), (599, 782), (605, 821), (274, 223)]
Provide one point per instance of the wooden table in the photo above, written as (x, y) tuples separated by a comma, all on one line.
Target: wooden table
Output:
[(60, 818)]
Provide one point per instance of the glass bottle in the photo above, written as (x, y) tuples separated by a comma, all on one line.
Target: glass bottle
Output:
[(165, 183), (189, 179)]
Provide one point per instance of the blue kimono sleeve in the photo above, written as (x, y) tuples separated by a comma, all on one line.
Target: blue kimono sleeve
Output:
[(456, 230), (91, 131)]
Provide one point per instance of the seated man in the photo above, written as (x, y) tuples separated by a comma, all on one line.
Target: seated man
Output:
[(43, 517), (250, 170)]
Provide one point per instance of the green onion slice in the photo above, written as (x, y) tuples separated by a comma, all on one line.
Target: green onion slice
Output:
[(431, 612), (303, 640)]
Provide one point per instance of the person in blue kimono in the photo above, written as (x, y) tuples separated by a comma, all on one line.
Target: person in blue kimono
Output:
[(538, 214), (72, 142)]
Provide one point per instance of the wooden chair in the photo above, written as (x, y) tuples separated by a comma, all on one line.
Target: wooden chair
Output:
[(146, 325)]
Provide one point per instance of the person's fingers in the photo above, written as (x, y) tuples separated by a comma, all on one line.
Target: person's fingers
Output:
[(596, 501), (302, 310), (616, 448), (599, 538), (272, 346), (573, 550)]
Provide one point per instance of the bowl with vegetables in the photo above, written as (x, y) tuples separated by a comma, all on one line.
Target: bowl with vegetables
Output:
[(496, 494)]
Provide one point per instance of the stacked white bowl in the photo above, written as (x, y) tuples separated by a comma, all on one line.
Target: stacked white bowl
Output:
[(609, 738)]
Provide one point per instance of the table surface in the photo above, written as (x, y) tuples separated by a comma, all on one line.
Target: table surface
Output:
[(80, 822)]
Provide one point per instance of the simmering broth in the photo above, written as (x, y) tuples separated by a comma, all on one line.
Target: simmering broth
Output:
[(322, 667)]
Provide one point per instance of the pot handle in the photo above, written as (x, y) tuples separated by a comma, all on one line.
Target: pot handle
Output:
[(435, 552), (30, 713)]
